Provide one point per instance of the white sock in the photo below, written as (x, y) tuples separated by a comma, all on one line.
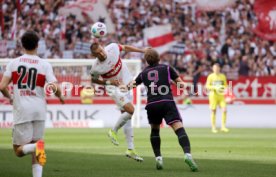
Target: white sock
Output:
[(28, 148), (122, 121), (129, 134), (158, 158), (188, 154), (37, 170)]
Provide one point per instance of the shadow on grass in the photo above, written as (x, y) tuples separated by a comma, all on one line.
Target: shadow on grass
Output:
[(66, 164)]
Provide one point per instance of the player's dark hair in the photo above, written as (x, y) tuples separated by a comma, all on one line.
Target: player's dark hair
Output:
[(152, 57), (94, 46), (29, 40)]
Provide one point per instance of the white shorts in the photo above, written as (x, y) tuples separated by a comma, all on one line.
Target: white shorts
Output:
[(27, 132), (120, 98)]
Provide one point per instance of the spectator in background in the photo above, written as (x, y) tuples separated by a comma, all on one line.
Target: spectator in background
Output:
[(196, 74), (225, 48), (202, 32), (244, 68)]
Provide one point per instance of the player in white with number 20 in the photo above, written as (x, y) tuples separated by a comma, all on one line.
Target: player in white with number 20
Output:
[(29, 74), (109, 70)]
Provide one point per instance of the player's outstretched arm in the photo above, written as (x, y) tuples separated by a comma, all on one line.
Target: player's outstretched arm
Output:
[(128, 48), (4, 87), (133, 84)]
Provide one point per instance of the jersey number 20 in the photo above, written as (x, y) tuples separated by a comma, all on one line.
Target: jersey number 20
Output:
[(31, 79)]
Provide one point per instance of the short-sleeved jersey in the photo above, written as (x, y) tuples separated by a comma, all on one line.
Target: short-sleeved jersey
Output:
[(216, 82), (112, 67), (157, 80), (28, 74)]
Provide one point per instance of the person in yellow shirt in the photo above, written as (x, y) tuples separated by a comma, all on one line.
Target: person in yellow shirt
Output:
[(86, 95), (216, 84)]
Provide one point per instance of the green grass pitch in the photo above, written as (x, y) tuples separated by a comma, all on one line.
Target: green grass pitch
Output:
[(88, 153)]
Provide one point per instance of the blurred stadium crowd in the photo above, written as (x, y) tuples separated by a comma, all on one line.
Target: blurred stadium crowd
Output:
[(225, 36)]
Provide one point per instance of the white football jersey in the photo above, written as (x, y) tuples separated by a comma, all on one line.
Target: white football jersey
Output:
[(112, 67), (29, 74)]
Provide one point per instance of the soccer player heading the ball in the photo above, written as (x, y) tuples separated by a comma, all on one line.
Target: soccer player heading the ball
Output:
[(109, 70), (216, 84), (157, 78), (29, 75)]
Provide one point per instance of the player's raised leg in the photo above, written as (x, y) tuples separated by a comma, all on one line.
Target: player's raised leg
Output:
[(112, 133), (156, 144), (184, 142), (22, 150), (36, 148), (26, 132), (124, 101), (39, 156), (39, 127), (123, 119)]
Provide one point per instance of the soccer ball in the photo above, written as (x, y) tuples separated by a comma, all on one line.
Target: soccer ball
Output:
[(98, 29)]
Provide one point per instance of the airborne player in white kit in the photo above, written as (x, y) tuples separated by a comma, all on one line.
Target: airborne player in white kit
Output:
[(29, 74), (113, 71)]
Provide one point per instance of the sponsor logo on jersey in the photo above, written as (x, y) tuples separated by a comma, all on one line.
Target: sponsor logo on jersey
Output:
[(114, 71)]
